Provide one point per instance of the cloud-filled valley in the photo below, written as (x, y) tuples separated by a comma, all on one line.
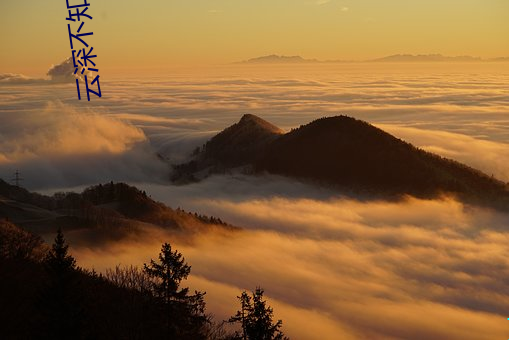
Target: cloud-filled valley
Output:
[(356, 268), (181, 111), (331, 265)]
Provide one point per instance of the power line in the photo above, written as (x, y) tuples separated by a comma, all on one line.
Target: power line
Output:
[(17, 178)]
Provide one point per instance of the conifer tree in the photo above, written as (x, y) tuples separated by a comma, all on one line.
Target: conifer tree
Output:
[(256, 318), (58, 259), (185, 316), (168, 274), (61, 300)]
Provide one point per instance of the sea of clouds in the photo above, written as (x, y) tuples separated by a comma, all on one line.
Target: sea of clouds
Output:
[(335, 267), (458, 111), (331, 266)]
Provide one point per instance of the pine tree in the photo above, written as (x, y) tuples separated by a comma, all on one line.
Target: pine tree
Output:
[(61, 298), (255, 318), (184, 313), (241, 316), (58, 260)]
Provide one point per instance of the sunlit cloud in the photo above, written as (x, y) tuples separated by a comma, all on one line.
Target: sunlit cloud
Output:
[(434, 269), (488, 156), (178, 113), (69, 146), (344, 264), (16, 78), (61, 130)]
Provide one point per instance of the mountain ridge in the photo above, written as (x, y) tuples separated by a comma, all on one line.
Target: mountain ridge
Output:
[(116, 208), (352, 156), (400, 58), (278, 59)]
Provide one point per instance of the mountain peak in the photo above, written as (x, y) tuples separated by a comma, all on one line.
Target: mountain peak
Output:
[(238, 145), (249, 117), (255, 122), (346, 153), (242, 141)]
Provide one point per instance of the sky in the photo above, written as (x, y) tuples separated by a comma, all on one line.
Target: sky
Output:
[(132, 36)]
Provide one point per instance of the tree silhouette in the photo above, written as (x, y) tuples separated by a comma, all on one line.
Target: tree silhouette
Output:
[(61, 300), (185, 316), (45, 295), (169, 273), (255, 318), (58, 259)]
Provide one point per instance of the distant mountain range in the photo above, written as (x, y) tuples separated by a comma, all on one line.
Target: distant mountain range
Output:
[(276, 59), (426, 58), (344, 153), (397, 58)]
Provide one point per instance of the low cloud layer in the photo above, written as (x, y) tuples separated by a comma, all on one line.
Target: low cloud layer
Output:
[(61, 130), (6, 78), (61, 72), (420, 269), (67, 146), (181, 111), (488, 156)]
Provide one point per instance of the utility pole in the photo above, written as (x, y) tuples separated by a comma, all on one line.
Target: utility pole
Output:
[(17, 178)]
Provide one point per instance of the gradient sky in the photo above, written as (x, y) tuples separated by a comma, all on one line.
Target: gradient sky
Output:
[(134, 35)]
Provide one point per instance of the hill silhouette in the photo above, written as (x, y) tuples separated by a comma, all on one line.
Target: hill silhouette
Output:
[(45, 294), (395, 58), (116, 208), (426, 58), (350, 155), (277, 59), (80, 303), (233, 147)]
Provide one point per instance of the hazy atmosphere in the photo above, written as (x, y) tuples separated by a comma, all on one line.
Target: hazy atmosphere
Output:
[(417, 259), (165, 35), (336, 261)]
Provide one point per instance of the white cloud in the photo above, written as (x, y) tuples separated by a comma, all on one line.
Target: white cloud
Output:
[(179, 113), (434, 269), (487, 156), (431, 269), (63, 145)]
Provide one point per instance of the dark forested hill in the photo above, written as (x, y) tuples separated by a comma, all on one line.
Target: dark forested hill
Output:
[(45, 294), (235, 146), (43, 299), (353, 156), (114, 207)]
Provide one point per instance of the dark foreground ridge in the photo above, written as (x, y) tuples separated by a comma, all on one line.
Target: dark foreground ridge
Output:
[(115, 209), (348, 154), (44, 294)]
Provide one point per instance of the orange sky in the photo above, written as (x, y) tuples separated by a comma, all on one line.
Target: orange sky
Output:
[(131, 35)]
